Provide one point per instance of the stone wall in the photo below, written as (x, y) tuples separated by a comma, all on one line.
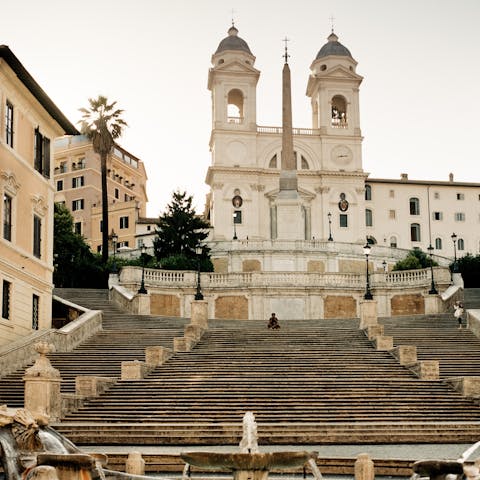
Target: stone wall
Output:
[(251, 266), (339, 306), (354, 266), (230, 306), (408, 304), (316, 266), (164, 304), (220, 265)]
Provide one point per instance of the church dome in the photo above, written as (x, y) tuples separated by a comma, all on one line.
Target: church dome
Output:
[(233, 42), (333, 47)]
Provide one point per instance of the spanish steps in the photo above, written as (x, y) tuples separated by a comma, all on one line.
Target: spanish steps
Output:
[(311, 382)]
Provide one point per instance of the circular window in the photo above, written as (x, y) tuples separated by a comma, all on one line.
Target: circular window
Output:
[(323, 68)]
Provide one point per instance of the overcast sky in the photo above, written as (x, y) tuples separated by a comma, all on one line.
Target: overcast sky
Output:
[(419, 101)]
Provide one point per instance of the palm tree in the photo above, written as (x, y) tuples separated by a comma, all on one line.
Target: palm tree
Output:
[(102, 123)]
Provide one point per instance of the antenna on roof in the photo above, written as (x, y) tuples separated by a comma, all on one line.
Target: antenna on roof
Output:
[(233, 19), (286, 55)]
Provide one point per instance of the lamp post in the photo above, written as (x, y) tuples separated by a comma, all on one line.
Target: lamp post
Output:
[(142, 288), (368, 294), (234, 215), (198, 295), (330, 238), (114, 245), (454, 239), (433, 290)]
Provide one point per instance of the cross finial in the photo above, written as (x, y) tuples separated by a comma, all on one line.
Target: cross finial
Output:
[(332, 21), (286, 55), (233, 17)]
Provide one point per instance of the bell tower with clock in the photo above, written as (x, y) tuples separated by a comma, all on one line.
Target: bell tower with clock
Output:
[(333, 87)]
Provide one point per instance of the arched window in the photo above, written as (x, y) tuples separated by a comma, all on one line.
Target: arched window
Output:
[(339, 112), (393, 242), (235, 106), (368, 192), (461, 244), (368, 218), (304, 163), (371, 240), (438, 244), (273, 162), (414, 206), (415, 232)]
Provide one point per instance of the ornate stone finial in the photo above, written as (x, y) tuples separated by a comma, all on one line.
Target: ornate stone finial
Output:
[(42, 366)]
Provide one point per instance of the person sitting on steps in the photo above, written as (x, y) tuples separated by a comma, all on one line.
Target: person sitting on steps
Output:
[(273, 322)]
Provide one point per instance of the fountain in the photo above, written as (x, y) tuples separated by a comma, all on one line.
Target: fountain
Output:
[(250, 463), (30, 449)]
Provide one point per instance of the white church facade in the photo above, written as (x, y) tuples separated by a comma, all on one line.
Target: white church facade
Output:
[(281, 197)]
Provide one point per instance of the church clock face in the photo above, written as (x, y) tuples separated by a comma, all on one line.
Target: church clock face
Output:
[(341, 155)]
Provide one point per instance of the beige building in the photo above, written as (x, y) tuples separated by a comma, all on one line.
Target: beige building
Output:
[(78, 186), (29, 121), (337, 199)]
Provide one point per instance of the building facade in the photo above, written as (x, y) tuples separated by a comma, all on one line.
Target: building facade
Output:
[(78, 186), (29, 122), (339, 201)]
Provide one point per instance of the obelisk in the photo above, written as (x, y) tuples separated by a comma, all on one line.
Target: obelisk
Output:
[(290, 221)]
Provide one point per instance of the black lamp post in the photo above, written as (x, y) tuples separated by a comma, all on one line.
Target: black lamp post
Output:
[(142, 288), (330, 238), (433, 290), (198, 295), (368, 294), (234, 215), (454, 239), (114, 245)]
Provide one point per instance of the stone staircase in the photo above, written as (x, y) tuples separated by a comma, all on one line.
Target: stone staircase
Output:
[(437, 338), (311, 382), (124, 337)]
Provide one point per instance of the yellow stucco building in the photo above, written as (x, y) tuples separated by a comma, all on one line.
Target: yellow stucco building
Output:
[(78, 186), (29, 121)]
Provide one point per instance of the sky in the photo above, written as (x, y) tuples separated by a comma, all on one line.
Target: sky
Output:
[(419, 100)]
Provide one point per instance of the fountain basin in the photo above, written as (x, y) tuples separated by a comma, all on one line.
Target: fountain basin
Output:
[(247, 461)]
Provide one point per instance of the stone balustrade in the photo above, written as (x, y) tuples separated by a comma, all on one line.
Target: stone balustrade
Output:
[(406, 278)]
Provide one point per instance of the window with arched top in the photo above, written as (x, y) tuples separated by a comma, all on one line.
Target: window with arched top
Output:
[(304, 164), (414, 206), (368, 192), (415, 232), (273, 162), (393, 241), (339, 112), (438, 244), (235, 102), (461, 244)]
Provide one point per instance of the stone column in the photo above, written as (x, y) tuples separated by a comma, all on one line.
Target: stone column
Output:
[(135, 464), (368, 313), (42, 386), (364, 468), (199, 313)]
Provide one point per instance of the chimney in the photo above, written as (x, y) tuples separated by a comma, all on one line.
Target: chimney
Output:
[(450, 177), (404, 176)]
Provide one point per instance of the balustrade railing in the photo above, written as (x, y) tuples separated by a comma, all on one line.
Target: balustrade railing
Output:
[(295, 131), (173, 278)]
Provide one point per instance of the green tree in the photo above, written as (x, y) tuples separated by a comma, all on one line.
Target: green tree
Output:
[(180, 231), (75, 264), (469, 267), (102, 123), (414, 260)]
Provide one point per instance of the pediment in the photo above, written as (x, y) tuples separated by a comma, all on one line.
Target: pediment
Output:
[(235, 66), (341, 72), (305, 195)]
